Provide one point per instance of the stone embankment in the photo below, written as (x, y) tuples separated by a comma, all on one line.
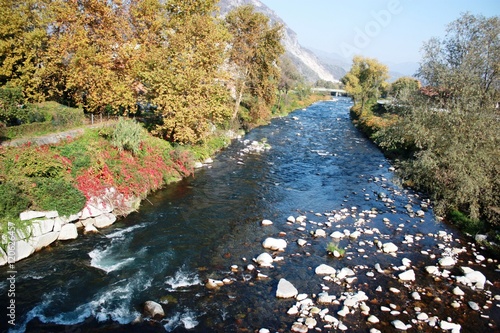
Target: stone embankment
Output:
[(44, 228)]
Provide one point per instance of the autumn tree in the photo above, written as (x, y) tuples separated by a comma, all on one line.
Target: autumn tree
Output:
[(183, 68), (90, 53), (254, 54), (365, 79), (23, 37), (452, 127)]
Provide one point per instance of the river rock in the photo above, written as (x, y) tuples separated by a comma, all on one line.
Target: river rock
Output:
[(213, 284), (472, 278), (266, 222), (447, 262), (398, 324), (68, 231), (286, 289), (337, 235), (299, 328), (372, 319), (389, 248), (275, 244), (477, 279), (447, 326), (324, 298), (153, 310), (264, 260), (325, 270), (301, 242), (408, 275), (457, 291), (320, 233)]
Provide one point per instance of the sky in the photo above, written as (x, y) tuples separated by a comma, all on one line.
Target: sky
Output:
[(392, 31)]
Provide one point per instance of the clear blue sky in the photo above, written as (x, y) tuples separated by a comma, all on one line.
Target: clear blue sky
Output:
[(389, 30)]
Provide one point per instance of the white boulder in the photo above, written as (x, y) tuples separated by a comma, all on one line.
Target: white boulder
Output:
[(264, 260), (68, 231), (275, 244), (325, 270), (104, 220), (286, 289), (408, 275), (389, 248)]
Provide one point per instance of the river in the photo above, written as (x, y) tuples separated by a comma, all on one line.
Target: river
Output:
[(319, 166)]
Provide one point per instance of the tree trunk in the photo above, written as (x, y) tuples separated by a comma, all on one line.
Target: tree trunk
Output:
[(239, 96)]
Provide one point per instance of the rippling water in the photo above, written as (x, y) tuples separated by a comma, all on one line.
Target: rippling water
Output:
[(198, 228)]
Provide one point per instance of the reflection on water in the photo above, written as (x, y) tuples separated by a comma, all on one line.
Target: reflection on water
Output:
[(319, 166)]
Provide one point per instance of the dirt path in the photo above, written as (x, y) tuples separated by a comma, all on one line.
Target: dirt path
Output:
[(54, 138)]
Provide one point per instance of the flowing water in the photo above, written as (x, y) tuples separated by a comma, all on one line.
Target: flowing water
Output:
[(320, 167)]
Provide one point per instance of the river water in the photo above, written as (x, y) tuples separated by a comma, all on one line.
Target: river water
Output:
[(320, 167)]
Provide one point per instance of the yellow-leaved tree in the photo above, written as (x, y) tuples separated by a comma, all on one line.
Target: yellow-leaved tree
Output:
[(255, 51), (90, 53), (365, 79), (182, 69)]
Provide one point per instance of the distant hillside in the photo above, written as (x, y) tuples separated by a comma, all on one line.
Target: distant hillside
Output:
[(306, 61)]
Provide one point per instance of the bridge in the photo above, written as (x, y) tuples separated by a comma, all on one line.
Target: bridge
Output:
[(333, 92)]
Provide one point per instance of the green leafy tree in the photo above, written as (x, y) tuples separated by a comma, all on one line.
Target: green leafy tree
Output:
[(365, 79), (404, 86), (254, 54), (451, 126)]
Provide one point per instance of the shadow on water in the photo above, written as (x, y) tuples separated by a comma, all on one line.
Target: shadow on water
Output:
[(319, 166)]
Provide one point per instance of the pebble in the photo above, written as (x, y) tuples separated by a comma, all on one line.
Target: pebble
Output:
[(416, 296), (457, 291), (372, 319), (473, 305), (422, 316), (266, 222), (398, 324)]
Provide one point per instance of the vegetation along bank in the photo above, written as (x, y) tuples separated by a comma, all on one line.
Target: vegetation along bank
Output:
[(442, 126)]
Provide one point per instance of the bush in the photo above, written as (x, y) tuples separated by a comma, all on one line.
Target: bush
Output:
[(12, 200), (128, 135), (57, 194)]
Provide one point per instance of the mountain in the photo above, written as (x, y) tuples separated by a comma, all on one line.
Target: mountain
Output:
[(305, 60), (339, 65)]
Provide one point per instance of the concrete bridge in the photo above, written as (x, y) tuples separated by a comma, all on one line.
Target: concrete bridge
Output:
[(333, 92)]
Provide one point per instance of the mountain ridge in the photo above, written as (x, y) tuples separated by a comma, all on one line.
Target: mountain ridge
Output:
[(307, 63)]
